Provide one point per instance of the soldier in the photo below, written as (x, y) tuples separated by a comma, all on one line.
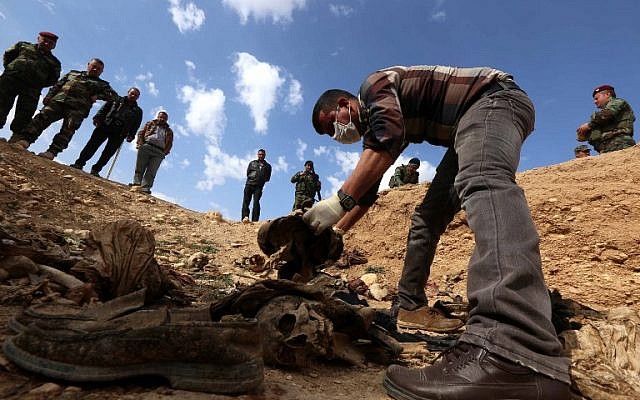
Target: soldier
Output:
[(69, 99), (154, 143), (611, 128), (114, 122), (27, 69), (582, 151), (307, 185), (481, 117), (258, 173), (406, 174)]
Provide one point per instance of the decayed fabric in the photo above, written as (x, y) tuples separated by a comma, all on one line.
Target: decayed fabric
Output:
[(605, 355), (300, 323), (119, 258), (294, 250)]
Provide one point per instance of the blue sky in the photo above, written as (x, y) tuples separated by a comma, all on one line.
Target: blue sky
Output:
[(239, 75)]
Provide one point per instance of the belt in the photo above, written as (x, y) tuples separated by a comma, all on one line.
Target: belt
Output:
[(496, 86), (154, 145)]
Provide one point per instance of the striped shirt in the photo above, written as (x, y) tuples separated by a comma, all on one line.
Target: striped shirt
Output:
[(402, 105)]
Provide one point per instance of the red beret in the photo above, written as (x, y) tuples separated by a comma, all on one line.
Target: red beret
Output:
[(49, 35), (604, 87)]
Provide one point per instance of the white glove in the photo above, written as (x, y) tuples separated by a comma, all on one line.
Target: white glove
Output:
[(323, 214)]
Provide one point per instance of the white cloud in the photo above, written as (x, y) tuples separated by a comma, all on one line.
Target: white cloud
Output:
[(185, 163), (346, 160), (439, 16), (257, 85), (340, 10), (2, 15), (318, 151), (205, 112), (191, 66), (219, 166), (151, 87), (300, 149), (294, 97), (49, 5), (144, 77), (278, 10), (281, 165), (187, 17)]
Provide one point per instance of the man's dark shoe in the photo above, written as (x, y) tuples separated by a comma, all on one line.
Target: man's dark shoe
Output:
[(428, 319), (95, 173), (76, 166), (183, 345), (466, 371)]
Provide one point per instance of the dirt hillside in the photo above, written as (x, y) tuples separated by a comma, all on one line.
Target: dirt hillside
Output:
[(586, 211)]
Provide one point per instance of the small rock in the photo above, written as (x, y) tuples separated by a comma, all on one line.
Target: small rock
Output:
[(369, 279), (70, 177), (18, 266), (197, 260), (48, 390), (378, 292)]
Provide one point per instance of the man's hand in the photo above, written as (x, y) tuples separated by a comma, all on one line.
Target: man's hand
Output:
[(324, 214), (46, 100), (582, 133), (130, 139)]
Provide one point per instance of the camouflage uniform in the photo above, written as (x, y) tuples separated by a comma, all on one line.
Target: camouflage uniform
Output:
[(307, 185), (27, 69), (402, 176), (612, 127), (69, 99)]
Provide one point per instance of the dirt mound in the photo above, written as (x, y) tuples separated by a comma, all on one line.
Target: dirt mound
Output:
[(586, 211)]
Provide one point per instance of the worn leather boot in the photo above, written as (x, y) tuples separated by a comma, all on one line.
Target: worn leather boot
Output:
[(184, 346), (466, 371), (428, 319)]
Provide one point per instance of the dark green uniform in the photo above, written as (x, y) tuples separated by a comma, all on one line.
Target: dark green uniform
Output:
[(27, 69), (307, 185), (69, 99), (402, 176), (612, 127)]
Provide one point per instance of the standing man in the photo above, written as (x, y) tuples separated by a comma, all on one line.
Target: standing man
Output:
[(307, 185), (115, 121), (582, 151), (611, 128), (28, 68), (258, 173), (154, 144), (509, 348), (406, 174), (70, 99)]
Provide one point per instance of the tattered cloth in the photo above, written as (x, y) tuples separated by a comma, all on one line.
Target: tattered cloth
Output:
[(293, 248), (299, 323), (119, 259)]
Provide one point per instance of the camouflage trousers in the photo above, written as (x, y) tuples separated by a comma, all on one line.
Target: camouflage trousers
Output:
[(54, 111), (10, 88), (614, 144), (302, 201)]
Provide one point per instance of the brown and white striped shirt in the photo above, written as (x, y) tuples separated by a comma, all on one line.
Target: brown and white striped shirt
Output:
[(402, 105)]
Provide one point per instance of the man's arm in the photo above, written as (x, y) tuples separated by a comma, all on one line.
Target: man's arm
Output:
[(136, 125), (368, 172), (55, 89), (10, 54), (267, 172)]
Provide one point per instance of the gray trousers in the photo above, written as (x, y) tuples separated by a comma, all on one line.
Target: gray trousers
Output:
[(147, 164), (510, 311)]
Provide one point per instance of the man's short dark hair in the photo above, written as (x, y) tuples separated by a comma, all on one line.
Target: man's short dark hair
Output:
[(99, 61), (327, 102), (262, 150), (133, 88)]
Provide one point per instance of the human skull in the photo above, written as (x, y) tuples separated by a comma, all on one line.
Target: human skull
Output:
[(293, 331)]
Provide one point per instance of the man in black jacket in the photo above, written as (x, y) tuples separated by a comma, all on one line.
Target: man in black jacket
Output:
[(258, 173), (114, 122)]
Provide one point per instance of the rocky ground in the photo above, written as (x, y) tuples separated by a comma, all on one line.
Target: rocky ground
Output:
[(586, 211)]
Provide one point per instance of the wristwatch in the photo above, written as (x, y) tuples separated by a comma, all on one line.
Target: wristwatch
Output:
[(347, 202)]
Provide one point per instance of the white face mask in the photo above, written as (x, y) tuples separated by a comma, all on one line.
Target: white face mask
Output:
[(345, 134)]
